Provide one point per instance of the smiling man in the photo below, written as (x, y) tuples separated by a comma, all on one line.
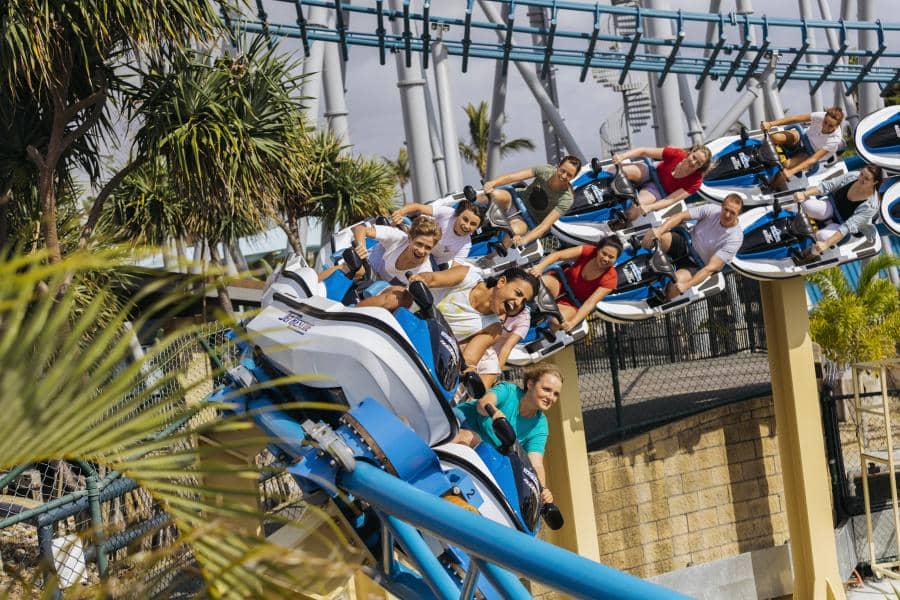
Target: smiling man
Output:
[(525, 411), (716, 238)]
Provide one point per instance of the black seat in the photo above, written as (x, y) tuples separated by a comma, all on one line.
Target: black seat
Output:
[(545, 304), (662, 264), (800, 225)]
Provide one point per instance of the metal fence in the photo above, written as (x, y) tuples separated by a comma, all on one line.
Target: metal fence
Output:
[(637, 376)]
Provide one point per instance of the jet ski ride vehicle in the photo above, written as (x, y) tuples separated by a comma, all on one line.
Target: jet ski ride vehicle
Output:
[(890, 205), (778, 244), (878, 138), (542, 341), (748, 163), (488, 251), (643, 276), (604, 194)]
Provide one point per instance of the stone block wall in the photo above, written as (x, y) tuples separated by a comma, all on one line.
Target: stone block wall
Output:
[(700, 489)]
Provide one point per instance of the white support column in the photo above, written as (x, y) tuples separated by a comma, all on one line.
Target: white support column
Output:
[(434, 135), (667, 113), (847, 13), (313, 64), (497, 118), (707, 90), (452, 161), (537, 18), (816, 99), (695, 130), (869, 93), (335, 103), (757, 112), (415, 117), (752, 93), (537, 90)]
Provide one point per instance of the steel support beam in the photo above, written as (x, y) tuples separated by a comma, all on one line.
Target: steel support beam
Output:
[(707, 90), (434, 134), (695, 130), (806, 13), (498, 106), (335, 102), (452, 162), (537, 90), (537, 18), (752, 93), (757, 112), (313, 64), (869, 93), (667, 112), (415, 118), (840, 98)]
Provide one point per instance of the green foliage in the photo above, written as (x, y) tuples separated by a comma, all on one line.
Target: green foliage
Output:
[(334, 186), (476, 151), (400, 167), (68, 391), (225, 130), (857, 325)]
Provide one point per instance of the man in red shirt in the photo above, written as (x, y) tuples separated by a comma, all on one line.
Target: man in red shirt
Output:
[(679, 172)]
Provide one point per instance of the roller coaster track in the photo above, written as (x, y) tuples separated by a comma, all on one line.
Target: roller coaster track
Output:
[(733, 55)]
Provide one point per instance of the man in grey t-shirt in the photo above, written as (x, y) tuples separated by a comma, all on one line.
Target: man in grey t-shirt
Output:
[(716, 238), (546, 198)]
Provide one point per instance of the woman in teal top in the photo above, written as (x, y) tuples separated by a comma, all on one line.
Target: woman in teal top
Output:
[(524, 409)]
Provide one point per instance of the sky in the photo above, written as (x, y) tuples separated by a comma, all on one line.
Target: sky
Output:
[(373, 99)]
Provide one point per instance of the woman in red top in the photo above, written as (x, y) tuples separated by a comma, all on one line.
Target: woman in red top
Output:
[(591, 277), (680, 173)]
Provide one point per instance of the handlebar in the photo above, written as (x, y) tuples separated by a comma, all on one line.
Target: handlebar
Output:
[(502, 429)]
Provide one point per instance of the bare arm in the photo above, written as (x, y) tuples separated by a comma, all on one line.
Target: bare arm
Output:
[(360, 233), (670, 224), (441, 279), (564, 254), (787, 121), (406, 209), (507, 179), (585, 309), (509, 342), (537, 461), (479, 343), (810, 161), (641, 152), (539, 231), (715, 265), (676, 196)]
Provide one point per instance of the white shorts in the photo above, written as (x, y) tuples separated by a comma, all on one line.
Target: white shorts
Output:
[(646, 183), (489, 363)]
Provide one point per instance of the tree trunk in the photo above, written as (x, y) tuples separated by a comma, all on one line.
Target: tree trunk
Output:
[(239, 259), (293, 239), (221, 290)]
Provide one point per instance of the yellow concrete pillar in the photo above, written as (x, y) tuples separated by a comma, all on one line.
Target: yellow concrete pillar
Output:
[(566, 463), (798, 421)]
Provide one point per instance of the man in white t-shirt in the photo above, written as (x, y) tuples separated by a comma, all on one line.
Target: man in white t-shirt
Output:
[(822, 139), (716, 238), (457, 226)]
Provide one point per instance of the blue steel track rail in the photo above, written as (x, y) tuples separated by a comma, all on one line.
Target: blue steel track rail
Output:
[(731, 57)]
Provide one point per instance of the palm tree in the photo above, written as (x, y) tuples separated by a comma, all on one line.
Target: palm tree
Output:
[(71, 390), (59, 59), (225, 131), (856, 325), (476, 151), (400, 167), (334, 186)]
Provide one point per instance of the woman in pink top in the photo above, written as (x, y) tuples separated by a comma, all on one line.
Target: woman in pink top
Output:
[(680, 173)]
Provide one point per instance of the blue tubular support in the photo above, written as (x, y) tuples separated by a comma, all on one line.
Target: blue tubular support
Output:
[(467, 36), (301, 23), (834, 59), (868, 67), (421, 557), (635, 40), (380, 31), (804, 36), (341, 29), (507, 42), (534, 559), (407, 34), (589, 54), (426, 32), (679, 39), (711, 61), (736, 63), (548, 51), (760, 53), (503, 580)]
